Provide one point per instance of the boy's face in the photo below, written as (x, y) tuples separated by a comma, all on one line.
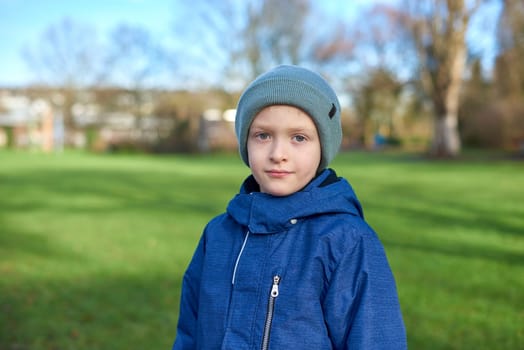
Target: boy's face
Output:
[(284, 149)]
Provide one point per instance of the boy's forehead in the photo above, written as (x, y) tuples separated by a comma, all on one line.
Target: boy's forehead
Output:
[(300, 117), (287, 109)]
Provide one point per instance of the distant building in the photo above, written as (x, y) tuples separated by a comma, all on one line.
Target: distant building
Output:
[(26, 123), (37, 124), (33, 119), (217, 131)]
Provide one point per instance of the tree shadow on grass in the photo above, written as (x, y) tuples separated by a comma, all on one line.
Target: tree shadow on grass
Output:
[(425, 220), (16, 243), (93, 191), (120, 312), (468, 218), (110, 312), (461, 251), (456, 208), (443, 225), (105, 311)]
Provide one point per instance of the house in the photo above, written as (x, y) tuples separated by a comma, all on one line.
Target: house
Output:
[(33, 119), (26, 123), (217, 130)]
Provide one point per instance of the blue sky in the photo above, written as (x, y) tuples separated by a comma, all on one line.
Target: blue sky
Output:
[(22, 23)]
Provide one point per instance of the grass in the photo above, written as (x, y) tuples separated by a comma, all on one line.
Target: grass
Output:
[(93, 247)]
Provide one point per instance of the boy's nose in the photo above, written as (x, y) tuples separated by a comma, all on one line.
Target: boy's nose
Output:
[(278, 151)]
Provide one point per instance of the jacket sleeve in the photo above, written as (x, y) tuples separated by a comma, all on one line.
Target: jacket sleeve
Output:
[(188, 315), (361, 306)]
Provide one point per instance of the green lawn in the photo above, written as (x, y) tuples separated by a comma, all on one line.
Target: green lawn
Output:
[(93, 247)]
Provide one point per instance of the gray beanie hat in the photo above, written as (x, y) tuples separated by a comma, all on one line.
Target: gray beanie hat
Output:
[(298, 87)]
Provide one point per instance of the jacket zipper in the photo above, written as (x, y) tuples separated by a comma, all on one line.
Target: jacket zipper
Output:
[(238, 258), (270, 310), (233, 278)]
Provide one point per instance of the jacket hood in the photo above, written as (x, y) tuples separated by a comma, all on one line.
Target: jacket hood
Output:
[(263, 213)]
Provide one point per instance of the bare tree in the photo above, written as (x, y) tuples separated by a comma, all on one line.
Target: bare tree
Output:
[(510, 66), (275, 33), (371, 44), (67, 57), (438, 32), (244, 38), (509, 74), (134, 58)]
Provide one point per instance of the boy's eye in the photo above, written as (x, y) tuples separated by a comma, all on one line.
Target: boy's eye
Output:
[(299, 138), (262, 135)]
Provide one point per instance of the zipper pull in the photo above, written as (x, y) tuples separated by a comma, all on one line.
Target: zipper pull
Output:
[(274, 289)]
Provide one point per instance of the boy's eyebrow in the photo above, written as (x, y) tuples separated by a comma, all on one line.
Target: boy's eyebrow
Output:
[(302, 129), (292, 129)]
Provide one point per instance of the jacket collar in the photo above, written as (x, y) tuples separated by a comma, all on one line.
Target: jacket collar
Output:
[(264, 213)]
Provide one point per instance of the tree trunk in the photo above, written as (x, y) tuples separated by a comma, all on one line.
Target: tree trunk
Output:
[(446, 140), (439, 30)]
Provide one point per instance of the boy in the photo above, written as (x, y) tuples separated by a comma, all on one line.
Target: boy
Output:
[(292, 263)]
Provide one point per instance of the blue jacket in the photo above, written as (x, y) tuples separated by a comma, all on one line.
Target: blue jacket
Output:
[(298, 272)]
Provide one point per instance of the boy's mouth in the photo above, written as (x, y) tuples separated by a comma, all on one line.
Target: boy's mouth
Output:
[(278, 173)]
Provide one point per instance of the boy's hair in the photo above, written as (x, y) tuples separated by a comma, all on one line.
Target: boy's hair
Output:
[(298, 87)]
